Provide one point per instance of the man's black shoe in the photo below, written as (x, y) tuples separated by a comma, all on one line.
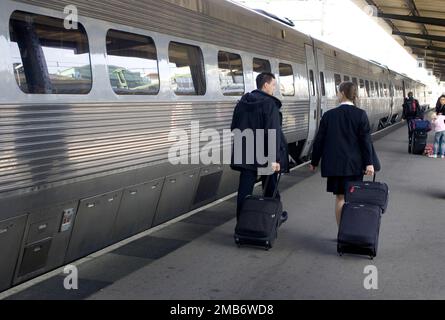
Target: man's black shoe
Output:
[(283, 217)]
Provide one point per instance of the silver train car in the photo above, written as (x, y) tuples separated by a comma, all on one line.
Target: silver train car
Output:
[(87, 106)]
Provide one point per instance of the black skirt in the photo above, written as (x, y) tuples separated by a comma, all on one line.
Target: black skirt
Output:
[(337, 185)]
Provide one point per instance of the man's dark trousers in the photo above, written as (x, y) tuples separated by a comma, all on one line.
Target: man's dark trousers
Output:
[(247, 182)]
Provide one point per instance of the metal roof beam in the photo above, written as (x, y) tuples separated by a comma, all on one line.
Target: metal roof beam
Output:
[(435, 65), (419, 36), (424, 20), (434, 59), (412, 6), (442, 68), (421, 54), (430, 48)]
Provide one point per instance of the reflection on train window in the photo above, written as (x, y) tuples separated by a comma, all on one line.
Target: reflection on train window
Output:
[(312, 80), (385, 89), (323, 84), (337, 78), (367, 88), (372, 89), (259, 66), (132, 63), (287, 81), (231, 77), (346, 78), (187, 69), (47, 58), (377, 89)]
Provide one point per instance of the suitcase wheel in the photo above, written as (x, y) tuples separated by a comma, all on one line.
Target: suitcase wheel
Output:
[(340, 253)]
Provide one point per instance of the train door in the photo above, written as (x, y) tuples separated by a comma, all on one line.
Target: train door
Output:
[(314, 115), (405, 94), (323, 101)]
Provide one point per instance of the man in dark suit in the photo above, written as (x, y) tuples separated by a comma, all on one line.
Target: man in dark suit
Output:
[(411, 111), (259, 110)]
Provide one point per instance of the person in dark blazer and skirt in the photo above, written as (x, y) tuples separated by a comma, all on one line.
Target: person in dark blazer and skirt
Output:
[(344, 146)]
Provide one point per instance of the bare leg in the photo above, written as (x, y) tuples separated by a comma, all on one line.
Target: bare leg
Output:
[(339, 202)]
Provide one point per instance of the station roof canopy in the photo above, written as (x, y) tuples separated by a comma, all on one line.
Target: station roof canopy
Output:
[(421, 26)]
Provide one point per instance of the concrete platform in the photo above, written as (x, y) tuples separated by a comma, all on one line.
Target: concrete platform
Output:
[(197, 259)]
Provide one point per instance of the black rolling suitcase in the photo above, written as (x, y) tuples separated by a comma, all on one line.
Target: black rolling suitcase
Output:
[(259, 220), (360, 222), (366, 192), (419, 141), (359, 229)]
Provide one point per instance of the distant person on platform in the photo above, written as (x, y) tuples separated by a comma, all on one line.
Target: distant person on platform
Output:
[(440, 105), (411, 111), (439, 139)]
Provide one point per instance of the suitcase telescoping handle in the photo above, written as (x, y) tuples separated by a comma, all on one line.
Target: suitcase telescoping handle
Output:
[(269, 177), (375, 177)]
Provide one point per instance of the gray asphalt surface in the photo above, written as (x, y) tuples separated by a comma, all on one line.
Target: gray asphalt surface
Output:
[(304, 263)]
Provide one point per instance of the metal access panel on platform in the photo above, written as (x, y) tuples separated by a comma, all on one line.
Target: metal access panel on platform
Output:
[(93, 226), (177, 196), (11, 234), (137, 209), (46, 241), (208, 185)]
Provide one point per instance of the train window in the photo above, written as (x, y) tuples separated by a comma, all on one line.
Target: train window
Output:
[(382, 93), (132, 63), (323, 84), (231, 77), (337, 79), (346, 78), (385, 89), (287, 81), (47, 57), (361, 89), (187, 70), (377, 89), (312, 80), (368, 93), (260, 66), (354, 81)]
